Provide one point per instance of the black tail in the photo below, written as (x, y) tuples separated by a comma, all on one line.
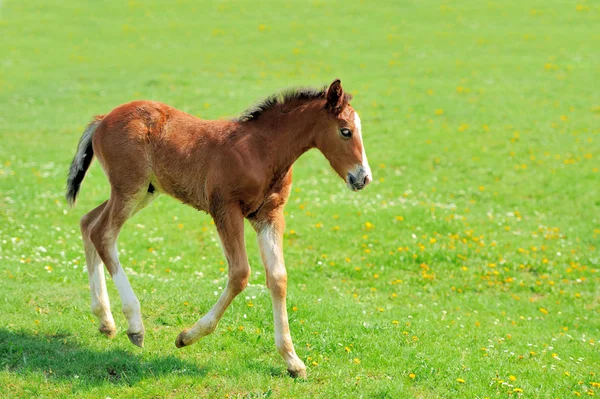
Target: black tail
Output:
[(81, 162)]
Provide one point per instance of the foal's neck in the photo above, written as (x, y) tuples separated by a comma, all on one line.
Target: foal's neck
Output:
[(291, 134)]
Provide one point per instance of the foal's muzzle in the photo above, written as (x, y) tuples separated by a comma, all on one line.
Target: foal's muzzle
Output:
[(358, 178)]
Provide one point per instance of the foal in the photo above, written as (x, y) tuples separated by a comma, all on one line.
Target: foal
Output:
[(232, 169)]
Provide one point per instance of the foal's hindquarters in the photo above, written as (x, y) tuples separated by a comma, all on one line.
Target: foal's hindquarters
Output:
[(129, 175)]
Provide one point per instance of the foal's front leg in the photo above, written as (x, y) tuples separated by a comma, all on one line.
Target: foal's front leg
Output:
[(270, 236), (230, 225)]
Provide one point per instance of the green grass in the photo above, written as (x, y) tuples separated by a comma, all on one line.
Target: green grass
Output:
[(473, 257)]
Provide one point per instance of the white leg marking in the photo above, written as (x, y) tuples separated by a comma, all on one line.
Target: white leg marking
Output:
[(272, 254), (208, 323), (130, 303), (100, 301)]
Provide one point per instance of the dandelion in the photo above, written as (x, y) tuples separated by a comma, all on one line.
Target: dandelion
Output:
[(460, 380), (439, 112), (356, 360), (412, 376), (543, 310)]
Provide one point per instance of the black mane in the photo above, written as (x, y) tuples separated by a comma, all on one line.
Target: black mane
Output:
[(281, 99)]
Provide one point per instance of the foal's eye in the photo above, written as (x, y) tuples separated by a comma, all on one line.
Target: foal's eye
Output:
[(346, 133)]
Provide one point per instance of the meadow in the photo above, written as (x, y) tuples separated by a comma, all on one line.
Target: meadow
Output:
[(469, 268)]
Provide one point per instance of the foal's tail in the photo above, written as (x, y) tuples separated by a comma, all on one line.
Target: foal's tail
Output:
[(83, 159)]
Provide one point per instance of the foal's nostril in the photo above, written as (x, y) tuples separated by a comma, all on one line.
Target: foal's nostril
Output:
[(351, 179), (358, 181)]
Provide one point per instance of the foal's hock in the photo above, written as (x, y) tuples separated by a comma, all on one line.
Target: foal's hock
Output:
[(232, 169)]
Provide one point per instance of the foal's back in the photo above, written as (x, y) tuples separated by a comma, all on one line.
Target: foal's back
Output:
[(147, 143)]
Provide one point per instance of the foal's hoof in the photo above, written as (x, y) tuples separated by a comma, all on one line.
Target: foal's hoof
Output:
[(137, 338), (179, 341), (299, 373), (109, 331)]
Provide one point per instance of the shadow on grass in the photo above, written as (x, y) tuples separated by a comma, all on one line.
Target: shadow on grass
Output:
[(59, 357)]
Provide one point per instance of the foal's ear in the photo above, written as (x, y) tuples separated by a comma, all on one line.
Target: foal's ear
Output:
[(336, 99)]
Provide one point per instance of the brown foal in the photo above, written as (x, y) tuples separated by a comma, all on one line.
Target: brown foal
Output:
[(232, 169)]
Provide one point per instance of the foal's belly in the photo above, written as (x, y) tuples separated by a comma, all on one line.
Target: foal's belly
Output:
[(188, 188)]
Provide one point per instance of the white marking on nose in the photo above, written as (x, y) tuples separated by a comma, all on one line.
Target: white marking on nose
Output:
[(365, 163)]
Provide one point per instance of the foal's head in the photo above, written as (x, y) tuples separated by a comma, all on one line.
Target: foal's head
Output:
[(341, 142)]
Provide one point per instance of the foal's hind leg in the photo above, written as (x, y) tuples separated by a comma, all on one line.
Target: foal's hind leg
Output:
[(104, 236), (100, 301)]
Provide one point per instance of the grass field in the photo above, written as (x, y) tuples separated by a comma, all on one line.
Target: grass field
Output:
[(468, 269)]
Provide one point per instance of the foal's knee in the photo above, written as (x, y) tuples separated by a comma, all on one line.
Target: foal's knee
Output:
[(277, 281), (238, 278)]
